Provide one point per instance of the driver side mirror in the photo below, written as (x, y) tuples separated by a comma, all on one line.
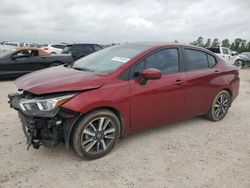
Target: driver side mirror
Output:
[(150, 74)]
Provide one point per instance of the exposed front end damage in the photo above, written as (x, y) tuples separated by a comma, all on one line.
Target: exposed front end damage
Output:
[(41, 125)]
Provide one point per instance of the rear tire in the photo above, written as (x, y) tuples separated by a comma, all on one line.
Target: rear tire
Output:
[(96, 134), (219, 107)]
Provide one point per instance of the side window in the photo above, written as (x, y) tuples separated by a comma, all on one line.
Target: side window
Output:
[(96, 47), (34, 53), (86, 48), (167, 61), (23, 53), (225, 51), (196, 59), (211, 60)]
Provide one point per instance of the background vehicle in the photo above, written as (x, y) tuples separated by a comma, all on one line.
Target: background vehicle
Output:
[(24, 60), (80, 50), (224, 53), (16, 44), (6, 46), (122, 89), (243, 59), (53, 48)]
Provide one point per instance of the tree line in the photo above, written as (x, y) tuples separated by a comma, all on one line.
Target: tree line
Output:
[(239, 45)]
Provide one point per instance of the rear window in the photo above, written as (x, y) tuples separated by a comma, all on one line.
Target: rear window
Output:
[(215, 50), (58, 46)]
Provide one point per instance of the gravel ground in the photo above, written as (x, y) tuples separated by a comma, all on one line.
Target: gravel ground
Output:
[(192, 153)]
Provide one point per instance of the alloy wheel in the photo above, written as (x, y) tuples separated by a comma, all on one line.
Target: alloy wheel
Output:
[(221, 105), (98, 135)]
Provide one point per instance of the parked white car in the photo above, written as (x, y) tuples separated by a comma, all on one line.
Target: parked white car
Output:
[(53, 48), (16, 44), (12, 45), (224, 53)]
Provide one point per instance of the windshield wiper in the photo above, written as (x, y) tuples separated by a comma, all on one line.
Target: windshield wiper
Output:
[(82, 69)]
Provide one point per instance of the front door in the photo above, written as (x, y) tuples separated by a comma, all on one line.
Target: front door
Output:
[(160, 100)]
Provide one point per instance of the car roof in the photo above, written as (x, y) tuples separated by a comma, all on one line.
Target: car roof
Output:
[(162, 44), (81, 44)]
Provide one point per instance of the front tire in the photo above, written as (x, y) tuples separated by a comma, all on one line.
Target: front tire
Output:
[(96, 134), (220, 106)]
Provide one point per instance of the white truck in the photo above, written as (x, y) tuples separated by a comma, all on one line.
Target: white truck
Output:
[(224, 53)]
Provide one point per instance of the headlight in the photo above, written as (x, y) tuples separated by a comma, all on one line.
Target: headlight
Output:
[(44, 107)]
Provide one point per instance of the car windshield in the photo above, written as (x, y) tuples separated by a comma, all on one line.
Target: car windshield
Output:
[(246, 53), (109, 59), (6, 53)]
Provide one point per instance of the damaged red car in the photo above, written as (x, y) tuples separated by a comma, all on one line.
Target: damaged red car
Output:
[(119, 90)]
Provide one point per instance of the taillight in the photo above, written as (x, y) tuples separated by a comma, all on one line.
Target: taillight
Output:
[(45, 48)]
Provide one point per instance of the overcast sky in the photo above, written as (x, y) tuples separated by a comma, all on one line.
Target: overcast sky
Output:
[(123, 21)]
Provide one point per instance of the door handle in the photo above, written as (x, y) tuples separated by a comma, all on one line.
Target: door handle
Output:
[(216, 72), (179, 82)]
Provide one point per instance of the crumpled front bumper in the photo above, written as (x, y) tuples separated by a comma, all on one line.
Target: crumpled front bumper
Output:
[(45, 131)]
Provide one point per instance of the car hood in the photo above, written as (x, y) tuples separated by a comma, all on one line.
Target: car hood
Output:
[(59, 79)]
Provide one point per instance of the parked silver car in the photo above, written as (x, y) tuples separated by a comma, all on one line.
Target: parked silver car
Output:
[(243, 60)]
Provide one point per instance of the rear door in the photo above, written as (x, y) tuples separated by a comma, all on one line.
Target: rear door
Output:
[(160, 100), (200, 75)]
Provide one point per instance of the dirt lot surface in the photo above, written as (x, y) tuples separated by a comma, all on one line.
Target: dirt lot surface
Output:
[(192, 153)]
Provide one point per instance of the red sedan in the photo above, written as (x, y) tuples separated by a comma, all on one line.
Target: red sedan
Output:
[(122, 89)]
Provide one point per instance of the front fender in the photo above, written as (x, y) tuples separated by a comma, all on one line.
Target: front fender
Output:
[(114, 95)]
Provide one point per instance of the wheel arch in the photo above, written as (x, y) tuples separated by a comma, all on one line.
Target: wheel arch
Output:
[(112, 109), (116, 112), (230, 93)]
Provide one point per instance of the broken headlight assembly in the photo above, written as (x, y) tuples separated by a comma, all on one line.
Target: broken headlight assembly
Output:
[(44, 106)]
